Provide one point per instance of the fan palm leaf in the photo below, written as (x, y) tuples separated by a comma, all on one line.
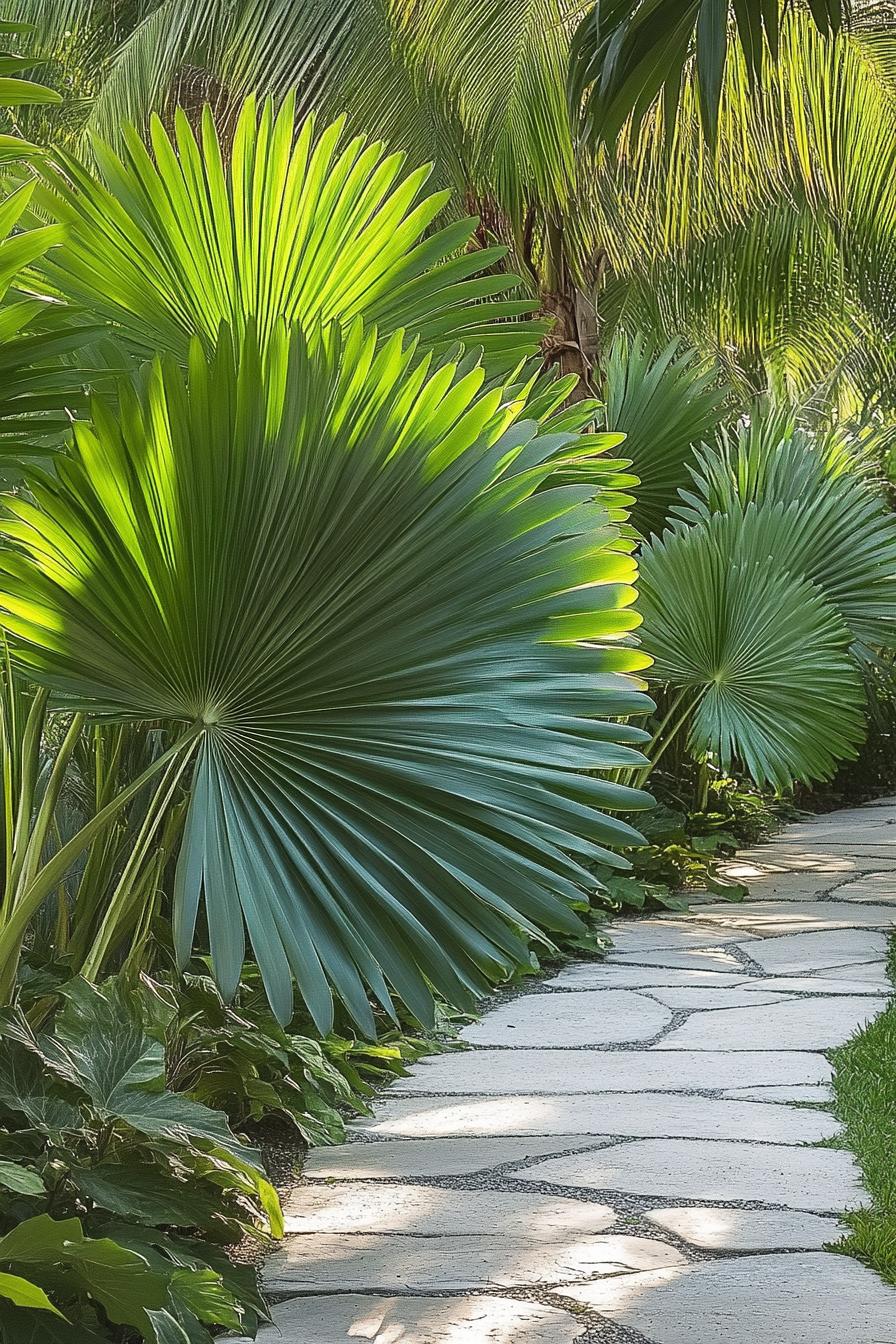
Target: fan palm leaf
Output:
[(388, 645), (666, 402), (819, 520), (758, 657), (170, 244)]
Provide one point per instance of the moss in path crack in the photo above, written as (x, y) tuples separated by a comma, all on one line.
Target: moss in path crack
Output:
[(865, 1100)]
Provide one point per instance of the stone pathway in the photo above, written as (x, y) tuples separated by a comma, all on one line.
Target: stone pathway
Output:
[(626, 1152)]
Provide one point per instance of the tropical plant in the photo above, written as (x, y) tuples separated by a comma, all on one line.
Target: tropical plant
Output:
[(238, 552), (112, 1180), (756, 659), (238, 1059), (16, 92), (819, 517), (667, 403), (627, 54), (74, 790), (768, 250), (172, 244)]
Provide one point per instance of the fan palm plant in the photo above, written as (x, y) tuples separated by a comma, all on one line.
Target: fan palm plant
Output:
[(776, 516), (755, 659), (168, 245), (385, 642)]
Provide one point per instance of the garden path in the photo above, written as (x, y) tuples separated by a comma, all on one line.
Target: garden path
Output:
[(628, 1152)]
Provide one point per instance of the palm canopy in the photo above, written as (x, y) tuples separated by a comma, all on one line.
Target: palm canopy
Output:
[(628, 53), (167, 245), (387, 637)]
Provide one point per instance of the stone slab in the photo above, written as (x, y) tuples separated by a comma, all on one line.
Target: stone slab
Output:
[(646, 1115), (770, 918), (357, 1262), (599, 975), (817, 859), (713, 958), (819, 1094), (338, 1318), (869, 972), (810, 1298), (715, 1229), (682, 999), (800, 952), (558, 1072), (825, 982), (767, 883), (649, 935), (801, 1024), (590, 1017), (872, 887), (427, 1211), (818, 1180), (862, 830), (425, 1156)]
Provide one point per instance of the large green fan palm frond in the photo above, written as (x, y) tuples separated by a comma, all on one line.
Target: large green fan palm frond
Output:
[(757, 655), (172, 243), (819, 520), (387, 636), (666, 402)]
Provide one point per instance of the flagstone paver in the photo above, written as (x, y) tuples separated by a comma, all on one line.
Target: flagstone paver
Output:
[(433, 1210), (821, 1180), (774, 917), (768, 1299), (629, 1142), (420, 1264), (871, 887), (594, 1017), (644, 1114), (555, 1072), (456, 1156), (800, 1024), (816, 951), (714, 1229), (419, 1320)]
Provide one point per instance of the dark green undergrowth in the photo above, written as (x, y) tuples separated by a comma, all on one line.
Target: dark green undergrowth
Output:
[(865, 1100)]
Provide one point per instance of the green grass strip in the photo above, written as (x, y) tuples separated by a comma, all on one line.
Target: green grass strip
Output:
[(865, 1101)]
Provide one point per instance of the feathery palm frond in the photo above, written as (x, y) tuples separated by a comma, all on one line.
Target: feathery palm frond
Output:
[(628, 54)]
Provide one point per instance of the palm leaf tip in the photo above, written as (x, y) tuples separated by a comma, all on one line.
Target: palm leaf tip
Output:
[(397, 640)]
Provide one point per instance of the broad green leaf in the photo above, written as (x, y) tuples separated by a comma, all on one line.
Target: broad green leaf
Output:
[(21, 1293), (119, 1279), (17, 92), (146, 1195), (20, 1179)]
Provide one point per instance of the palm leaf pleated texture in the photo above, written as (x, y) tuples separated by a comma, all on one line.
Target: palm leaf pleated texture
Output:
[(396, 650), (166, 243), (756, 651)]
